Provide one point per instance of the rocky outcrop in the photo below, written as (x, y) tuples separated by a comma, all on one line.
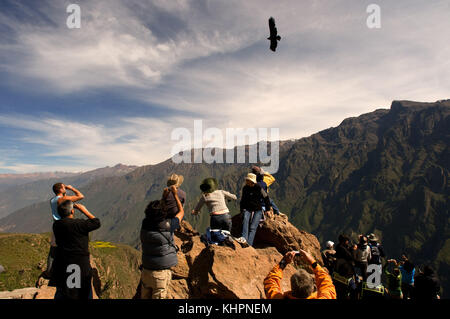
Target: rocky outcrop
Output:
[(25, 293), (281, 234), (278, 232), (234, 272), (217, 272)]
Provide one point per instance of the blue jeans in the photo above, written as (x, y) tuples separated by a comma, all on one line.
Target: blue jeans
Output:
[(249, 227), (276, 211)]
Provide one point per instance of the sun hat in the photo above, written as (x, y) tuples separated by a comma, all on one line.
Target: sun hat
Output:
[(251, 177), (372, 237), (175, 179), (209, 185)]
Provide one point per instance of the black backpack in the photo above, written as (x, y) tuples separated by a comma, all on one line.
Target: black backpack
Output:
[(376, 255)]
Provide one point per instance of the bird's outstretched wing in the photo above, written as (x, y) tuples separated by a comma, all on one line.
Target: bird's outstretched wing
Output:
[(272, 28)]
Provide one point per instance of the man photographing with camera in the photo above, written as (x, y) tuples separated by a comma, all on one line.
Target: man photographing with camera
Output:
[(302, 283)]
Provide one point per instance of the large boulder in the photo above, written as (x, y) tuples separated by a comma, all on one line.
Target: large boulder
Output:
[(234, 272), (278, 232)]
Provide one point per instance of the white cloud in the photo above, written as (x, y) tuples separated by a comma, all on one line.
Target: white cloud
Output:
[(134, 141), (210, 58)]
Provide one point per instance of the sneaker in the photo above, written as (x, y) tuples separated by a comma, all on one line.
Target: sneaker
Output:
[(242, 241)]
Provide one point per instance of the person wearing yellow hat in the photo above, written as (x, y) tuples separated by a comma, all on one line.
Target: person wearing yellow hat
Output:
[(251, 206)]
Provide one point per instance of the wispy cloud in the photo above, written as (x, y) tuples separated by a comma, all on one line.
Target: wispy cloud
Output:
[(134, 141), (209, 60)]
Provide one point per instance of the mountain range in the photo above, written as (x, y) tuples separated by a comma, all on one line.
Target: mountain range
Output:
[(25, 189), (385, 172), (11, 180)]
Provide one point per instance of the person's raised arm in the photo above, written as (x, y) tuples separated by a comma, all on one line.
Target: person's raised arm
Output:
[(199, 206), (91, 224), (180, 213), (324, 283), (228, 195), (84, 210), (74, 198)]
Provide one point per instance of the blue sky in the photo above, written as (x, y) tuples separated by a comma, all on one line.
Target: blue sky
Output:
[(112, 91)]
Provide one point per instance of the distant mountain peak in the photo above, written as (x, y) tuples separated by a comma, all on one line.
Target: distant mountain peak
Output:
[(400, 104)]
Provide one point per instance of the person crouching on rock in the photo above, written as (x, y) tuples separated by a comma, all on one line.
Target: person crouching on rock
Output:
[(251, 207), (215, 202), (302, 284), (159, 252)]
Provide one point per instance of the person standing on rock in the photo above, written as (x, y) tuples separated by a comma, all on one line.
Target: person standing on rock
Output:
[(394, 279), (344, 272), (328, 256), (427, 285), (408, 270), (60, 191), (376, 250), (267, 180), (170, 202), (159, 252), (215, 202), (362, 254), (72, 263), (302, 284), (251, 207)]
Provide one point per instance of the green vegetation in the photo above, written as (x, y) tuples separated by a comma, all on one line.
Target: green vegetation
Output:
[(24, 257)]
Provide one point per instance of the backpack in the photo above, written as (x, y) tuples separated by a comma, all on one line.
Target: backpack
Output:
[(376, 256), (215, 236)]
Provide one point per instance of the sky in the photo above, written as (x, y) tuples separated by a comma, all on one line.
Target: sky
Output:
[(115, 89)]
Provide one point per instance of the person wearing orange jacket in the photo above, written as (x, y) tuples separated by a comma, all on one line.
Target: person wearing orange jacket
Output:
[(302, 284)]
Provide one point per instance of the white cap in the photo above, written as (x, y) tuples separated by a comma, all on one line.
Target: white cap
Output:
[(329, 244)]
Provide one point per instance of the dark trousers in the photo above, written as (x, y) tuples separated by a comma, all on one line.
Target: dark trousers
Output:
[(362, 267), (407, 291), (222, 222), (61, 294), (50, 259)]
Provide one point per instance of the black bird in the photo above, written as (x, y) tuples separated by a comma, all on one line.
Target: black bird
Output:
[(274, 37)]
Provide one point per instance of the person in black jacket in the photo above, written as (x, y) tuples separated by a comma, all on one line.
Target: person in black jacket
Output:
[(427, 286), (251, 206), (376, 251), (72, 274), (159, 252), (344, 272)]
